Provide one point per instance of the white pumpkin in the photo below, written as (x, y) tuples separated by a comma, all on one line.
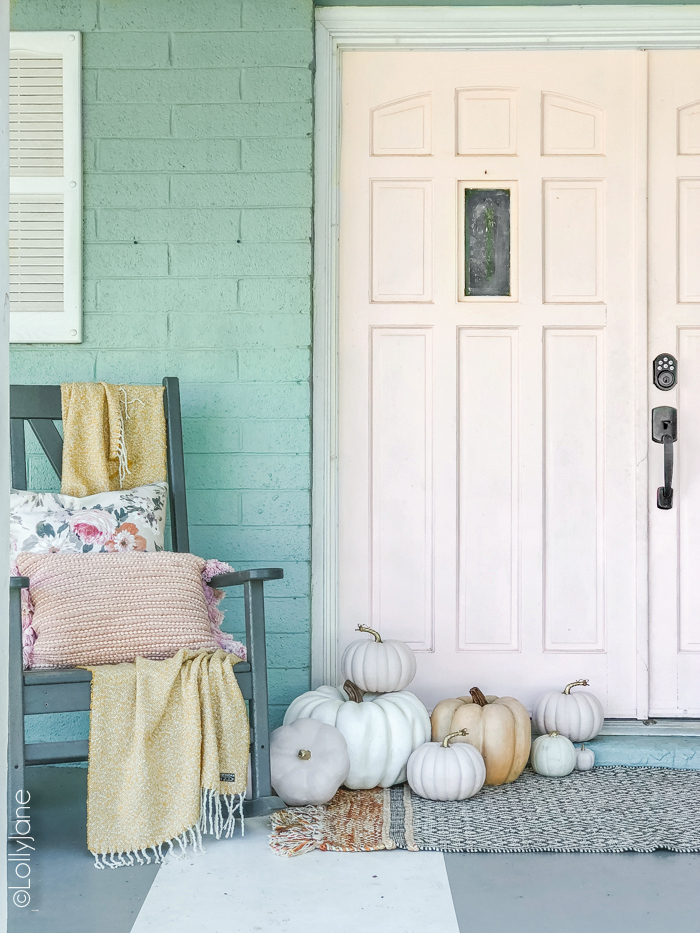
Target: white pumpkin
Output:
[(381, 730), (553, 755), (440, 771), (585, 758), (378, 666), (578, 716), (308, 762)]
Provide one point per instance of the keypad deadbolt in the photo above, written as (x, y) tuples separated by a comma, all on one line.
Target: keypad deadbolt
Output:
[(665, 369)]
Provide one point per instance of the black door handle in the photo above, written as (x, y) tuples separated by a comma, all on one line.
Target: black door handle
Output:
[(664, 430)]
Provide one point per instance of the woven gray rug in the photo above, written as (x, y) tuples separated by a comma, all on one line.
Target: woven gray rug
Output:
[(604, 810)]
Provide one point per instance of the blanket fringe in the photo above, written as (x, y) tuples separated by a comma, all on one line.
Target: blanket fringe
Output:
[(217, 817)]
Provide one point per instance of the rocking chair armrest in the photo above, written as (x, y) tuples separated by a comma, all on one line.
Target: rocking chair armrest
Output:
[(237, 578)]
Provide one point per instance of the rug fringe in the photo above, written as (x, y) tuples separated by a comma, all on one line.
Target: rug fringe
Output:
[(217, 817), (296, 831)]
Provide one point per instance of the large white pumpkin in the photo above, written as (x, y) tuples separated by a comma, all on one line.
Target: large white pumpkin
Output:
[(578, 716), (440, 771), (553, 755), (381, 730), (378, 666), (308, 762)]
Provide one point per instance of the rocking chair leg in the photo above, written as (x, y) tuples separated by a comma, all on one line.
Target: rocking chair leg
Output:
[(263, 800), (15, 749)]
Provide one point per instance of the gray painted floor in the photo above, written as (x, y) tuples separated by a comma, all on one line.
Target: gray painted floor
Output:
[(546, 893), (68, 894)]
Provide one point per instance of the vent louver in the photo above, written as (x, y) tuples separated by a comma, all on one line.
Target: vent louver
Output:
[(36, 114), (36, 252)]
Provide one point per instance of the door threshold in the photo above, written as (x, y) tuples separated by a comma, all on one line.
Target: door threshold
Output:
[(651, 727)]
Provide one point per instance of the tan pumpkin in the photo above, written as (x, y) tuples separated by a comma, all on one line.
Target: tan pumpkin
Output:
[(498, 727)]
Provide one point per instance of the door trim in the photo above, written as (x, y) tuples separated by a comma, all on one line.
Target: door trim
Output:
[(498, 28)]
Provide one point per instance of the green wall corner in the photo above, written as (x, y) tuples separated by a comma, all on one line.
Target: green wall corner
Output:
[(197, 263)]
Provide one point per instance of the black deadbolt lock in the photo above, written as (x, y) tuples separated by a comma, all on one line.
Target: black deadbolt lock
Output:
[(665, 373)]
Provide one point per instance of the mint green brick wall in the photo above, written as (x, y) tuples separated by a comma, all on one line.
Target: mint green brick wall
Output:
[(197, 263)]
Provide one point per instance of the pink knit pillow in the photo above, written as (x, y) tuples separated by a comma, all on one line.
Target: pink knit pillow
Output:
[(109, 608)]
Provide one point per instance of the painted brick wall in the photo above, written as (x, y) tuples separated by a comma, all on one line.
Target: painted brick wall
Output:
[(197, 262)]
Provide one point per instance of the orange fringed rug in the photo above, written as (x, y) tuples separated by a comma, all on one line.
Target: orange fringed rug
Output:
[(354, 821)]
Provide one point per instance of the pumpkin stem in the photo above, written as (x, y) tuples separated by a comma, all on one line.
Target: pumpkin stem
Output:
[(369, 631), (353, 691), (453, 735), (478, 697), (552, 734), (304, 754), (575, 683)]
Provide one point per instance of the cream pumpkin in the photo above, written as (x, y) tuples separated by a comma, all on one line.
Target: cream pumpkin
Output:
[(498, 727)]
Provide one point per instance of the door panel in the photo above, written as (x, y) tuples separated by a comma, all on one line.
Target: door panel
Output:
[(574, 512), (488, 489), (488, 309), (674, 327), (401, 481), (574, 253)]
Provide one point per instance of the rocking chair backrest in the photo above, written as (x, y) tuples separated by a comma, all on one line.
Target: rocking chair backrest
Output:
[(40, 406)]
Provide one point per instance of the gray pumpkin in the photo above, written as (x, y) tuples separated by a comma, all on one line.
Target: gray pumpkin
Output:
[(308, 762)]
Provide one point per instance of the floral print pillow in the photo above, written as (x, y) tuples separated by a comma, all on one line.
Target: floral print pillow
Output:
[(123, 520)]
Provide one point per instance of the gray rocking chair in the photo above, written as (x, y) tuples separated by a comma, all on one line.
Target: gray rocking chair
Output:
[(68, 689)]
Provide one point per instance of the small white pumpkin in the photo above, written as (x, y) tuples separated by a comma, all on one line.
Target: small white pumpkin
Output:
[(381, 730), (553, 755), (378, 666), (578, 716), (585, 758), (440, 771), (308, 762)]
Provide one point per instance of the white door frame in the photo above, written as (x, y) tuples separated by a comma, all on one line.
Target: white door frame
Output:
[(341, 28)]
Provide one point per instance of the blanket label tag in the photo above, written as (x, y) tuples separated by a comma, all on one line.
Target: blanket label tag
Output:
[(227, 777)]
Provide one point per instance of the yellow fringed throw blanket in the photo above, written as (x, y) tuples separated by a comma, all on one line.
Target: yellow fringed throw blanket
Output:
[(169, 746), (113, 437)]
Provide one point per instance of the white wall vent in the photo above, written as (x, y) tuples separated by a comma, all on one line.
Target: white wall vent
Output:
[(45, 188)]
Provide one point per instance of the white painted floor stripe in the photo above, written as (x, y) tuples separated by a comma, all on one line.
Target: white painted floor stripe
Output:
[(239, 885)]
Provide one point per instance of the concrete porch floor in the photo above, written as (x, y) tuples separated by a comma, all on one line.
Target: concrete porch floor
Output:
[(238, 885)]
